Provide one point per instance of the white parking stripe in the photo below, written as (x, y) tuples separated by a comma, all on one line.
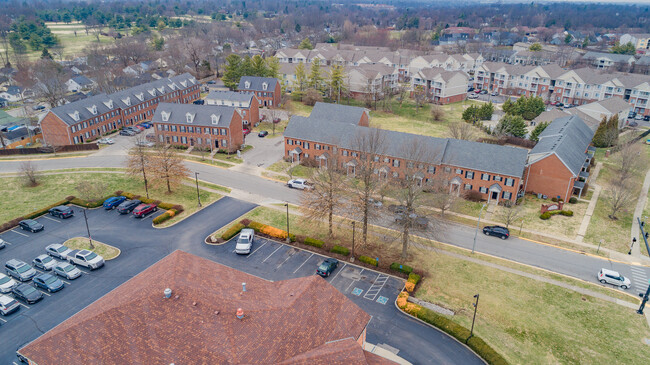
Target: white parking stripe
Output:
[(4, 322), (376, 287), (22, 304), (251, 254), (52, 219), (7, 243), (285, 260), (337, 274), (49, 295), (303, 263), (22, 234), (83, 271), (269, 256)]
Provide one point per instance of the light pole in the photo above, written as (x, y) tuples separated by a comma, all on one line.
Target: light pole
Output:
[(471, 331), (645, 299), (287, 205), (632, 245), (92, 247), (477, 225), (198, 197), (599, 243), (353, 231)]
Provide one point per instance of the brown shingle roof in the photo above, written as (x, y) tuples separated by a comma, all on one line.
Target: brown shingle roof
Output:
[(303, 320)]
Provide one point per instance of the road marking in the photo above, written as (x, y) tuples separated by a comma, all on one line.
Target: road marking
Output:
[(276, 250), (357, 291), (4, 322), (257, 249), (22, 304), (52, 219), (49, 295), (7, 243), (349, 286), (22, 234), (303, 263), (285, 260), (83, 271), (382, 300), (337, 274), (376, 287)]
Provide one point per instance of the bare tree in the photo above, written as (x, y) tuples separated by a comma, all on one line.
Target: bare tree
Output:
[(402, 91), (131, 49), (437, 113), (419, 95), (195, 49), (509, 213), (168, 167), (629, 161), (139, 161), (444, 195), (619, 196), (461, 130), (50, 81), (29, 173)]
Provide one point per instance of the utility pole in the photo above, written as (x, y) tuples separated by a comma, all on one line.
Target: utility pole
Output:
[(645, 299), (477, 225), (471, 331), (287, 205), (198, 196), (632, 245), (353, 231), (92, 247)]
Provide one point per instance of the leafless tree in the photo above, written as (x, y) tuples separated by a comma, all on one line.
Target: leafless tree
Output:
[(419, 95), (402, 91), (50, 82), (5, 28), (461, 130), (168, 167), (509, 213), (195, 49), (139, 161), (629, 161), (619, 196), (444, 195), (130, 49), (437, 113), (29, 173)]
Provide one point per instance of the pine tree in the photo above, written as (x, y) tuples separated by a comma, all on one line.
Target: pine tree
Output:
[(337, 82), (232, 72), (512, 125), (508, 106), (599, 136), (272, 67), (246, 68), (306, 44), (315, 77), (301, 76), (46, 54), (258, 66), (534, 135)]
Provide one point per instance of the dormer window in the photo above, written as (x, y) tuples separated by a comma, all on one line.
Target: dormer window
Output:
[(264, 86), (193, 80), (152, 92), (172, 86), (165, 116), (109, 104), (127, 101), (93, 109), (215, 119), (247, 84), (140, 96), (189, 117), (75, 115), (161, 90), (184, 83)]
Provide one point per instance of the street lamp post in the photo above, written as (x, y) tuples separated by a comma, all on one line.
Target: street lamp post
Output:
[(632, 245), (645, 299), (198, 196), (477, 225), (287, 205), (471, 331), (92, 247), (599, 243), (353, 231)]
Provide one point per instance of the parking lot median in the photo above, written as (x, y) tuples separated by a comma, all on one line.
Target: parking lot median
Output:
[(108, 252)]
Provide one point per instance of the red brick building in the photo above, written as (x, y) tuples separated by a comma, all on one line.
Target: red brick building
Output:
[(88, 119), (267, 89), (211, 127), (248, 104)]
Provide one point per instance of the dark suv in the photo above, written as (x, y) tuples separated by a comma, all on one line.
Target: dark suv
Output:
[(62, 211), (127, 206), (497, 231)]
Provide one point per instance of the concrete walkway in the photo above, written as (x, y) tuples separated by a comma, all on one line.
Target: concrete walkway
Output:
[(635, 232), (582, 231)]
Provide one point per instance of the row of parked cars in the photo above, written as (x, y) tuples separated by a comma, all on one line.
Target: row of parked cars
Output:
[(125, 206), (133, 130)]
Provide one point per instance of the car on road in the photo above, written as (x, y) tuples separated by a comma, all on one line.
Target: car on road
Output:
[(397, 209), (301, 184), (606, 276), (633, 124), (30, 225), (38, 107), (19, 270), (105, 141), (484, 92), (145, 143), (44, 262), (143, 209), (6, 283), (497, 231), (48, 282), (263, 134), (133, 129), (8, 305), (27, 293), (113, 202), (147, 125), (326, 268), (639, 117), (375, 203), (127, 132), (62, 211), (472, 96), (3, 243), (85, 258), (128, 206), (66, 270), (477, 91), (245, 241), (631, 114), (646, 118), (470, 89), (138, 127), (58, 250)]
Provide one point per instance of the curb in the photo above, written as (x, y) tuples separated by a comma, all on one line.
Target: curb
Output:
[(178, 221), (119, 252), (205, 240)]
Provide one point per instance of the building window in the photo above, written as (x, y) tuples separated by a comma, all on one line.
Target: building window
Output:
[(190, 129), (431, 169), (159, 127), (175, 138), (447, 169), (510, 182), (395, 163), (483, 189), (409, 165), (468, 187), (183, 128), (386, 160), (306, 146), (160, 138), (289, 142), (507, 195), (496, 178), (485, 177), (395, 174), (173, 128), (459, 171), (224, 143), (345, 153), (198, 129), (184, 140), (469, 174)]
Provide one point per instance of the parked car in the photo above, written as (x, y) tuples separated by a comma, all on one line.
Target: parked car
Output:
[(6, 283), (133, 129), (146, 124), (397, 209), (198, 102), (472, 96), (44, 262), (301, 184), (66, 270), (48, 282), (245, 241), (19, 270), (263, 134), (150, 137), (105, 141), (38, 107), (85, 258), (246, 131), (58, 250), (2, 243), (497, 231), (8, 305), (113, 202), (558, 104), (127, 132), (143, 209), (145, 143), (128, 206), (138, 127), (327, 267), (606, 276), (477, 91), (638, 117), (470, 89), (375, 203), (633, 124), (494, 93), (631, 114), (484, 92), (30, 225), (646, 118), (62, 211), (27, 293)]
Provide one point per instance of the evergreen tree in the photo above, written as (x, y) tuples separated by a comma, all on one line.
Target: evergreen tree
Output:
[(272, 67), (599, 135), (305, 44), (337, 82), (512, 125), (508, 106), (246, 68), (258, 66), (46, 54), (301, 76), (315, 77), (486, 110), (471, 114), (534, 135), (535, 47), (232, 72)]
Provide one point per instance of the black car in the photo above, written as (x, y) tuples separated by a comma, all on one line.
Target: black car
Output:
[(497, 231), (30, 225), (263, 134), (27, 293), (62, 211), (48, 282), (128, 206), (198, 102), (327, 267), (646, 118)]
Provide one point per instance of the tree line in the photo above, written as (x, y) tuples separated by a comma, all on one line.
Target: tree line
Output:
[(237, 66)]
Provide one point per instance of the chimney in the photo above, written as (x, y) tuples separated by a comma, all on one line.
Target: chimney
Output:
[(240, 313), (168, 293), (243, 285)]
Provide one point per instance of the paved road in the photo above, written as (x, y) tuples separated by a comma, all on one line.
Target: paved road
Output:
[(142, 245)]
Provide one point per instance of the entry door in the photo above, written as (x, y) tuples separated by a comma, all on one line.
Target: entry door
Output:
[(495, 195)]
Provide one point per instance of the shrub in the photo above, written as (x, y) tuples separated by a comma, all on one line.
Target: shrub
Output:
[(545, 215), (554, 199), (401, 268), (369, 260), (274, 232), (127, 195), (245, 221), (300, 238), (257, 226), (414, 278), (340, 250), (11, 224), (166, 206), (232, 231), (314, 242), (119, 192), (573, 200), (567, 213), (163, 217), (178, 208), (157, 202), (410, 287), (45, 210), (473, 196), (292, 237)]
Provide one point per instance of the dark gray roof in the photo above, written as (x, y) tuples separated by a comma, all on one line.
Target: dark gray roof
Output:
[(14, 90), (231, 96), (135, 95), (16, 133), (509, 161), (612, 56), (567, 138), (82, 80), (256, 83), (337, 112), (201, 114)]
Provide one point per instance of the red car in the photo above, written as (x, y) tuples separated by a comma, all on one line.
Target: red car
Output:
[(478, 91), (246, 131), (144, 209), (140, 127)]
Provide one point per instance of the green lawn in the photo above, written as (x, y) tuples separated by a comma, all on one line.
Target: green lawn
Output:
[(298, 171), (108, 252), (217, 156), (71, 46)]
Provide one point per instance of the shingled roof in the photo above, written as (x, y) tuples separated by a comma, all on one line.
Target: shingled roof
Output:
[(337, 113), (229, 96), (256, 83), (302, 320), (201, 115)]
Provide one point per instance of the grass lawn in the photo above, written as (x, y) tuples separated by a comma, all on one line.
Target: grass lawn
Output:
[(108, 252), (268, 126), (19, 200), (217, 156), (299, 171), (43, 156), (71, 46), (209, 162)]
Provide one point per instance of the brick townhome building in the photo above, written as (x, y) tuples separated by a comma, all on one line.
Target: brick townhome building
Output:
[(248, 104), (267, 89), (494, 171), (297, 321), (90, 118), (558, 165), (212, 127)]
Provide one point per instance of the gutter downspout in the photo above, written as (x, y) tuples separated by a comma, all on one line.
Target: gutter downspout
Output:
[(567, 188)]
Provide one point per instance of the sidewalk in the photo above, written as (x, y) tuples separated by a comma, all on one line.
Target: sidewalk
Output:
[(638, 211), (582, 231)]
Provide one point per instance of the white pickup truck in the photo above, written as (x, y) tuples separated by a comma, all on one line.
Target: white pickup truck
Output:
[(86, 259)]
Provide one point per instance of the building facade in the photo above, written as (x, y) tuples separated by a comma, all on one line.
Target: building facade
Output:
[(247, 104), (440, 86), (267, 89)]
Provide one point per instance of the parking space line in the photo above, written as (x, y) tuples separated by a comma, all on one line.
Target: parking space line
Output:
[(49, 295), (52, 219), (22, 234), (349, 286), (285, 260), (83, 271), (22, 304), (337, 274), (269, 256), (376, 287), (8, 243), (3, 320), (251, 254), (303, 263), (65, 282)]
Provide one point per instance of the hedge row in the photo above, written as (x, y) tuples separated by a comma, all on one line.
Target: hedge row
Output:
[(452, 328), (271, 231), (412, 281), (340, 250), (232, 231), (396, 266), (171, 209), (547, 215), (369, 260), (165, 216), (313, 242), (35, 214)]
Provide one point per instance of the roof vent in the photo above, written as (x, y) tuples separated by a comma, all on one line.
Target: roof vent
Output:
[(240, 313), (168, 293)]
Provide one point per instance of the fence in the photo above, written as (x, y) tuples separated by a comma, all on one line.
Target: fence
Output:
[(49, 149)]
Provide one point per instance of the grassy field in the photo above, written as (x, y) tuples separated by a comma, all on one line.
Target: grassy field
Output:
[(282, 167), (218, 156), (527, 321), (18, 199), (108, 252)]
